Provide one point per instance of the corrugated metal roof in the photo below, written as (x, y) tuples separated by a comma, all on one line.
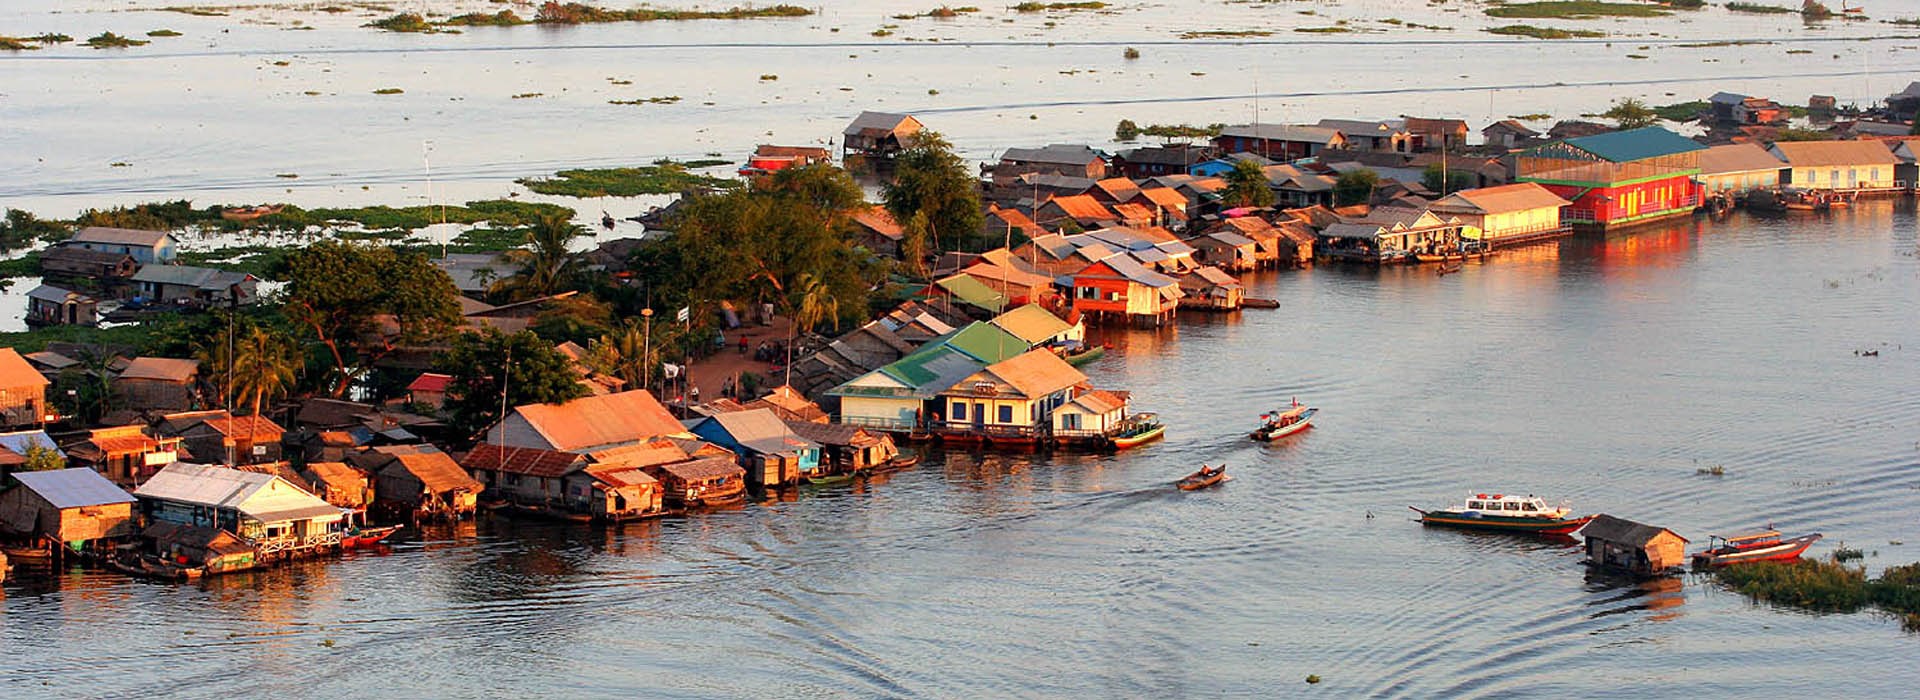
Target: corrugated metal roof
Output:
[(161, 368), (17, 442), (972, 291), (1281, 132), (1635, 144), (1031, 323), (1505, 198), (16, 373), (264, 497), (1822, 154), (1058, 154), (600, 420), (521, 460), (120, 236), (57, 295), (73, 488), (1037, 373), (761, 431)]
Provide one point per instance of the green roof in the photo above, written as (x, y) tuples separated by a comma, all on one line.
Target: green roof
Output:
[(985, 342), (1635, 144), (974, 292)]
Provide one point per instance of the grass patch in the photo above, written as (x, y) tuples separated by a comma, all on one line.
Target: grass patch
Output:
[(1225, 33), (1829, 586), (1905, 21), (577, 13), (1759, 9), (1322, 30), (8, 43), (388, 91), (1682, 112), (1046, 6), (503, 18), (163, 33), (942, 12), (254, 260), (133, 335), (1574, 9), (1535, 117), (663, 177), (195, 11), (1544, 32), (1182, 130), (110, 40), (1717, 44), (665, 100), (24, 266), (405, 22)]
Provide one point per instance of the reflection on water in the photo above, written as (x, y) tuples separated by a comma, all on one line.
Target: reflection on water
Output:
[(1599, 369)]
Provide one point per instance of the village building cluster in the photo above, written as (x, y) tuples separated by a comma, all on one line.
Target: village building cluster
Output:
[(172, 483)]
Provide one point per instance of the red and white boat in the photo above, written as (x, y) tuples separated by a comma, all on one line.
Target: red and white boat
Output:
[(1752, 547)]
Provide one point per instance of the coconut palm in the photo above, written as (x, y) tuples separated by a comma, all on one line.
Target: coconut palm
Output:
[(545, 263), (621, 353), (266, 365), (816, 303)]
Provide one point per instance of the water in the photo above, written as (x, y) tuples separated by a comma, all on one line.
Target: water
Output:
[(1604, 370)]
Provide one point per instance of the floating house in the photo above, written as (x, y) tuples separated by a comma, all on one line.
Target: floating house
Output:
[(1838, 165), (1393, 236), (587, 424), (569, 483), (126, 455), (772, 454), (340, 484), (879, 135), (276, 517), (1738, 167), (194, 287), (1508, 133), (767, 159), (77, 508), (68, 264), (157, 384), (48, 305), (1506, 214), (1616, 543), (1387, 135), (846, 449), (701, 482), (420, 482), (1009, 402), (23, 391), (1119, 288), (895, 396), (145, 247), (1091, 417), (1151, 161), (213, 550), (220, 437), (1210, 289), (1619, 178)]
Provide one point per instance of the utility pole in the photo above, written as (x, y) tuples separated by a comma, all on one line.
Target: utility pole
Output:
[(647, 344)]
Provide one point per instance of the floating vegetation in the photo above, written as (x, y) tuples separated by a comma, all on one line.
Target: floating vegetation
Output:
[(577, 13), (942, 12), (881, 32), (1759, 9), (1535, 117), (1791, 52), (1130, 54), (1829, 586), (503, 18), (1843, 553), (8, 43), (405, 22), (1715, 470), (119, 164), (110, 40), (1574, 9), (1544, 32), (288, 176), (663, 177), (768, 77), (163, 33), (1045, 6), (1225, 33), (663, 100), (529, 95), (1322, 30), (1636, 56), (1903, 21), (1814, 9), (196, 11), (388, 91), (1682, 111), (1717, 44)]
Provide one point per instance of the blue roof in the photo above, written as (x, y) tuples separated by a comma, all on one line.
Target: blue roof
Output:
[(18, 442), (73, 488), (1635, 144)]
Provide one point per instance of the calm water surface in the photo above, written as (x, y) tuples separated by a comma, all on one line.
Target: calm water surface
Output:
[(1605, 370)]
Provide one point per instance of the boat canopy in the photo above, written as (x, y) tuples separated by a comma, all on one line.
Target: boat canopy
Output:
[(1508, 505)]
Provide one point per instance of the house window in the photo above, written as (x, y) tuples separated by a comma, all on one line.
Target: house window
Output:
[(1006, 414), (1088, 293), (959, 410), (1070, 421)]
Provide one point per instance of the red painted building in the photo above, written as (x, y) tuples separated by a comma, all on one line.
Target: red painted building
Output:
[(1619, 178)]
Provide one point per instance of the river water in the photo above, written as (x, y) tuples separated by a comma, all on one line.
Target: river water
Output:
[(1605, 370)]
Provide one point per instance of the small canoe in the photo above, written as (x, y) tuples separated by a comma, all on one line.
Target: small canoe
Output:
[(898, 462), (1085, 356), (1295, 420), (830, 479), (1207, 476), (1145, 433), (1759, 546)]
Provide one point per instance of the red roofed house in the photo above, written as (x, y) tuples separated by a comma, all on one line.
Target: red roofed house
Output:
[(23, 391), (126, 455), (1080, 210), (430, 388), (878, 231), (420, 481), (768, 159)]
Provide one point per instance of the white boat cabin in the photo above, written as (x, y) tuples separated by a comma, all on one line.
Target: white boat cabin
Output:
[(1513, 506)]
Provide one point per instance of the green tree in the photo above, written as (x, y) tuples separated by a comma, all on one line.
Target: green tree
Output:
[(579, 318), (40, 458), (85, 390), (1355, 187), (929, 177), (264, 364), (484, 364), (826, 193), (545, 265), (21, 229), (914, 249), (363, 302), (623, 353), (1247, 186), (1126, 130), (1631, 113), (815, 302), (1442, 181)]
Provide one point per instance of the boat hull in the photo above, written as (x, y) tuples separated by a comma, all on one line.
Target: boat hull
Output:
[(1154, 433), (1271, 434), (1541, 526), (1781, 551), (1085, 356), (1197, 481)]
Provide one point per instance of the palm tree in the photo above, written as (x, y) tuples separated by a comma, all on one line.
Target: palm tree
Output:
[(1247, 185), (817, 303), (621, 354), (545, 263), (265, 366)]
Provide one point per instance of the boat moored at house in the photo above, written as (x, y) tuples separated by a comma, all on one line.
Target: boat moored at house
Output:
[(1766, 545)]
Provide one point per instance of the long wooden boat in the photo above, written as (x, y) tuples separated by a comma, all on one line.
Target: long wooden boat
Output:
[(154, 568), (1752, 547), (1207, 476), (366, 536), (1145, 431), (29, 556), (899, 461), (1503, 513), (830, 479), (1085, 356), (1284, 423)]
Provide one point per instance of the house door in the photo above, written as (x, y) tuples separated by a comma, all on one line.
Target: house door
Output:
[(979, 415), (73, 313)]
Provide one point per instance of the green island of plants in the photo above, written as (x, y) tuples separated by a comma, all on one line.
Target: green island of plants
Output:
[(575, 13), (1829, 586), (163, 33), (663, 177), (1575, 9), (1046, 6), (110, 40), (1759, 9), (1545, 32)]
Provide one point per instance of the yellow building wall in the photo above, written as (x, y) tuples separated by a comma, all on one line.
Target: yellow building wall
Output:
[(1874, 176)]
